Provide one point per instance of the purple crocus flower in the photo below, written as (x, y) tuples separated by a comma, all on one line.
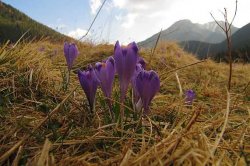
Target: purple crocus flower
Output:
[(141, 65), (190, 96), (89, 83), (138, 69), (125, 63), (105, 72), (70, 53), (147, 85)]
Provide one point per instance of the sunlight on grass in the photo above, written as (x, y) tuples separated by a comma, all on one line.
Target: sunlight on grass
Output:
[(31, 77)]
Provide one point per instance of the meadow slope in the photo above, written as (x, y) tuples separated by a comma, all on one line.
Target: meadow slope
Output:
[(214, 130)]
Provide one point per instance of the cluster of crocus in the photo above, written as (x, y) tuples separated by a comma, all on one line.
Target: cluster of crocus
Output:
[(130, 69), (101, 75)]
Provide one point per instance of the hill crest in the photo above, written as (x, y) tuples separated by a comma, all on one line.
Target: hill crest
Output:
[(14, 23)]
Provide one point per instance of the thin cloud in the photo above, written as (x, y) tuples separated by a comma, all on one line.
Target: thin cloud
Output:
[(78, 33), (61, 26), (94, 5), (137, 9), (129, 20)]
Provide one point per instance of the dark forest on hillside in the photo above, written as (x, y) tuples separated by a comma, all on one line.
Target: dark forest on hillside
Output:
[(13, 24)]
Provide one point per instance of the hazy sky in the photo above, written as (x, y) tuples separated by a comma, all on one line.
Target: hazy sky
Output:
[(126, 20)]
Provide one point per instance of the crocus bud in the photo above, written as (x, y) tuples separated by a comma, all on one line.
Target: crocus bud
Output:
[(105, 72), (125, 63), (147, 85), (70, 53), (89, 83), (190, 96)]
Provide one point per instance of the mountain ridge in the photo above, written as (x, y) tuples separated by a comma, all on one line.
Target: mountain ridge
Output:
[(185, 30)]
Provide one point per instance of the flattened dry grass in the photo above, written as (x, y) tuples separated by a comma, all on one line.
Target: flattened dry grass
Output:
[(55, 127)]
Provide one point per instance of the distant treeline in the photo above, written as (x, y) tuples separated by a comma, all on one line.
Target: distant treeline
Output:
[(217, 52)]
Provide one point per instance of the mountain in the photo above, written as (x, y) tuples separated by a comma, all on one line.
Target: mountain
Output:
[(13, 24), (241, 39), (185, 30), (240, 46)]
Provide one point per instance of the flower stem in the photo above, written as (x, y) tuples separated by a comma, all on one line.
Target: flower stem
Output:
[(67, 79), (111, 114), (122, 111)]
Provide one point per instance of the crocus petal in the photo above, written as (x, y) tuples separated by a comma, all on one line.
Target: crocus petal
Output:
[(105, 72), (147, 84), (66, 48), (133, 46), (141, 61), (125, 63), (118, 56), (70, 52), (89, 84)]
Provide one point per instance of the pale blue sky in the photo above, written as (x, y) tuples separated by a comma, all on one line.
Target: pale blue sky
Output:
[(56, 12), (125, 20)]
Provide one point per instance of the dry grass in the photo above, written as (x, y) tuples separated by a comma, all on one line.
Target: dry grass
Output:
[(40, 124)]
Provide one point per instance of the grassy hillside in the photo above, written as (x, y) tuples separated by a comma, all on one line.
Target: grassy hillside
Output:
[(214, 130), (13, 24)]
